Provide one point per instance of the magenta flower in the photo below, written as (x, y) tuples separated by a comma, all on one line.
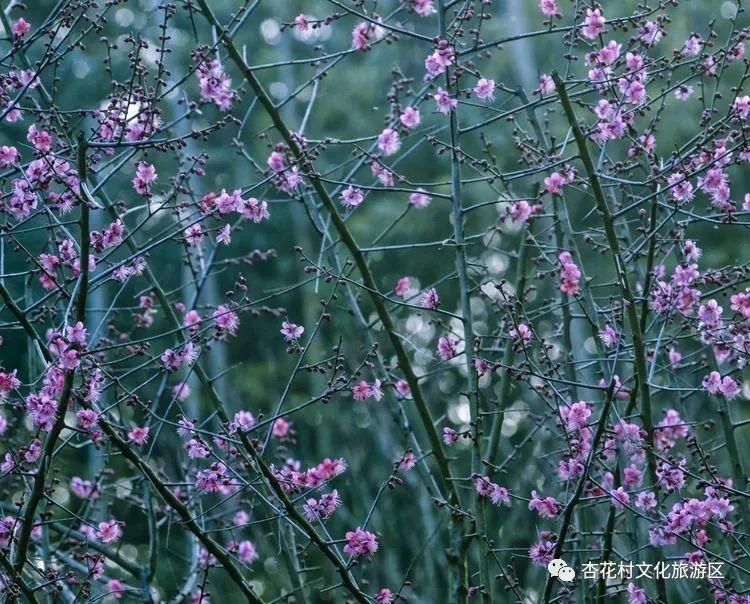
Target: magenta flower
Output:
[(360, 543)]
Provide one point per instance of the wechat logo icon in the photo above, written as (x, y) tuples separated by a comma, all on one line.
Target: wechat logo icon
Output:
[(558, 568)]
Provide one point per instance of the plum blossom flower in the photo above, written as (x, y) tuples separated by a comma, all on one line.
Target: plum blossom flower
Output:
[(549, 8), (608, 336), (385, 596), (363, 391), (410, 117), (403, 285), (215, 84), (593, 24), (547, 507), (323, 508), (431, 299), (486, 488), (139, 435), (420, 199), (145, 176), (554, 183), (302, 22), (109, 531), (447, 347), (291, 331), (243, 421), (444, 102), (485, 89), (389, 142), (620, 498), (569, 274), (351, 197), (20, 27), (450, 436), (546, 84), (246, 552), (360, 543)]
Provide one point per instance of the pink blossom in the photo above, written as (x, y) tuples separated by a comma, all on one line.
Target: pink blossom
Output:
[(444, 101), (554, 183), (145, 175), (246, 552), (388, 142), (243, 421), (402, 287), (116, 588), (430, 299), (420, 199), (620, 498), (485, 89), (546, 84), (302, 22), (569, 274), (215, 84), (549, 8), (593, 24), (608, 336), (109, 532), (360, 543), (20, 27), (410, 117), (291, 331), (351, 197), (8, 156), (385, 596), (363, 391), (547, 507), (447, 347), (139, 435), (450, 436)]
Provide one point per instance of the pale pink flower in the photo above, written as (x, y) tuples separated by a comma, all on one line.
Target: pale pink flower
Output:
[(351, 197), (291, 331), (431, 299), (554, 183), (302, 22), (410, 117), (549, 8), (485, 89), (116, 588), (593, 25), (608, 336), (444, 101), (402, 287), (389, 142), (139, 435), (109, 532), (420, 199)]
